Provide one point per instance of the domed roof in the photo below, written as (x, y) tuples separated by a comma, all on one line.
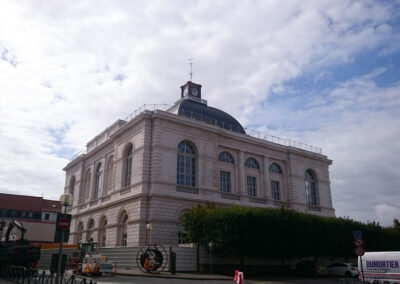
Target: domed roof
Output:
[(199, 110)]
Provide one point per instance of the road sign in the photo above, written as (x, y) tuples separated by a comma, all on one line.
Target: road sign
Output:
[(63, 221), (358, 242), (357, 234), (359, 251), (64, 224)]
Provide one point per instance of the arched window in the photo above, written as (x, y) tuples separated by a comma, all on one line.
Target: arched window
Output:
[(128, 166), (97, 182), (72, 185), (79, 231), (252, 163), (86, 191), (275, 168), (102, 232), (225, 157), (90, 230), (123, 230), (186, 165), (109, 172), (311, 188), (182, 234)]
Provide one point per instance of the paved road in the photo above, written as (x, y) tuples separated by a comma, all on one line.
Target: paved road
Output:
[(146, 280), (119, 279)]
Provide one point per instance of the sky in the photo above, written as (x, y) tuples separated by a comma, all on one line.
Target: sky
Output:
[(324, 73)]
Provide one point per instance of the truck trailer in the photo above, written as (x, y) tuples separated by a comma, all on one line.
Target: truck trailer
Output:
[(380, 267)]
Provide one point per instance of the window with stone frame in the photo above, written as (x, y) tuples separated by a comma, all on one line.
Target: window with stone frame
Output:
[(225, 157), (251, 186), (90, 226), (275, 190), (123, 230), (275, 168), (102, 232), (182, 234), (97, 181), (128, 166), (78, 236), (88, 180), (186, 165), (311, 188), (252, 163), (108, 175), (72, 185), (225, 181)]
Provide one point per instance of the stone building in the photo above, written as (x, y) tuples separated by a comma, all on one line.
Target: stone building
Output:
[(157, 164)]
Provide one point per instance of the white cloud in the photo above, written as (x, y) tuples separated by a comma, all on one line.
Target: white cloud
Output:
[(60, 64), (358, 127)]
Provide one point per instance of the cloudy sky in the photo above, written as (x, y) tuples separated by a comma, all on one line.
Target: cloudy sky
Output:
[(326, 73)]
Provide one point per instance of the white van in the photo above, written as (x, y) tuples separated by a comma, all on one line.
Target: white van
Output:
[(380, 267)]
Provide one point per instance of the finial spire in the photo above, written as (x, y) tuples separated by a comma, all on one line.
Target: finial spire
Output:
[(191, 67)]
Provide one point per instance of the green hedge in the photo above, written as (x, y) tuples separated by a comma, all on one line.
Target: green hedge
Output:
[(282, 233)]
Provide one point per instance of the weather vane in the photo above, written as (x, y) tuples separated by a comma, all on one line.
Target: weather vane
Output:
[(191, 68)]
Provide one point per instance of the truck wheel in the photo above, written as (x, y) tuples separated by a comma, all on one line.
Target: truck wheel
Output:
[(376, 282)]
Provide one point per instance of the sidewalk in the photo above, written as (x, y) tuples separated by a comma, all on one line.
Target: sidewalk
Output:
[(178, 275)]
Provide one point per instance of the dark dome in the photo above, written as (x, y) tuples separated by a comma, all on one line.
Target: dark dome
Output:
[(202, 112)]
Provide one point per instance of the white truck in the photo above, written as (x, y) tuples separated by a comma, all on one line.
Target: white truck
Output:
[(380, 267)]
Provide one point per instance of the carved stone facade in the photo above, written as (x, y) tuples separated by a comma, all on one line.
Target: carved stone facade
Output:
[(129, 177)]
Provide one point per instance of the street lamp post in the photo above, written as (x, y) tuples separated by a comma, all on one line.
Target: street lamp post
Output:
[(66, 200), (149, 227), (210, 245)]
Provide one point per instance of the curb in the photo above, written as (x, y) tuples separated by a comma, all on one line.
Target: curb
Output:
[(187, 276)]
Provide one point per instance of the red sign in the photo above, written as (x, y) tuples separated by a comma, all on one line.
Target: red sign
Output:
[(359, 251), (358, 242), (64, 224)]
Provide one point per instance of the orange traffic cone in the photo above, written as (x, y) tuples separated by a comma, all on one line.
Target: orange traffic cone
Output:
[(235, 278), (95, 267), (148, 266)]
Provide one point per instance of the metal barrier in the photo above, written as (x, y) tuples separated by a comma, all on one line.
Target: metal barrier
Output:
[(21, 275)]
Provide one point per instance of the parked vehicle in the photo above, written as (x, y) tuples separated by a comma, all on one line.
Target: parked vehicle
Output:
[(89, 261), (380, 267), (306, 267), (342, 269), (15, 250)]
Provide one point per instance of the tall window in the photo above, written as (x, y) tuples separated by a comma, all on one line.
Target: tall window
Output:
[(225, 157), (90, 229), (79, 233), (182, 234), (88, 179), (97, 181), (275, 190), (275, 168), (252, 163), (225, 181), (102, 232), (251, 186), (311, 190), (72, 185), (128, 166), (109, 172), (186, 161), (123, 230)]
